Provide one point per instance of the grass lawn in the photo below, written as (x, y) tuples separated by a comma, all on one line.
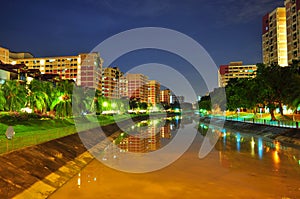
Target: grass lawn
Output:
[(31, 131)]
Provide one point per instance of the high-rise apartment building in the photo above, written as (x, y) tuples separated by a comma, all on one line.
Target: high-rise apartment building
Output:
[(235, 70), (292, 22), (110, 82), (165, 96), (274, 37), (8, 57), (123, 87), (176, 99), (89, 70), (4, 55), (153, 92), (138, 87), (84, 69)]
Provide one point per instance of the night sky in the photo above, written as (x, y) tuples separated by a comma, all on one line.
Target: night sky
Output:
[(230, 30)]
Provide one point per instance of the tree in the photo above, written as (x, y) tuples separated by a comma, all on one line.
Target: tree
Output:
[(133, 103), (62, 106), (242, 93), (37, 97), (268, 95), (292, 91), (275, 83), (62, 94), (15, 94), (165, 105), (205, 103), (143, 105)]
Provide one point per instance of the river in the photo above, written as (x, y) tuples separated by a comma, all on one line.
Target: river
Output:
[(241, 165)]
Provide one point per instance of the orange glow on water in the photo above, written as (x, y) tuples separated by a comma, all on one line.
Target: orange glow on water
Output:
[(277, 146), (276, 157)]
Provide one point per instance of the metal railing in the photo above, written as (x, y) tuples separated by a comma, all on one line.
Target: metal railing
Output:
[(286, 124)]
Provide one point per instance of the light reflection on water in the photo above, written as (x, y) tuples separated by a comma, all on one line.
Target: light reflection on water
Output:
[(257, 147), (260, 161), (147, 136)]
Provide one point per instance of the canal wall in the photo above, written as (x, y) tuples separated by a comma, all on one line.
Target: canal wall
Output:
[(37, 171), (289, 136)]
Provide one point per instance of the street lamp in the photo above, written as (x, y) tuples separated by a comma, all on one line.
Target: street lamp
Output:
[(105, 104)]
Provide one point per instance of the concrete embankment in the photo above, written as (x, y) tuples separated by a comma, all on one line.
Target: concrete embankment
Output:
[(37, 171), (288, 136)]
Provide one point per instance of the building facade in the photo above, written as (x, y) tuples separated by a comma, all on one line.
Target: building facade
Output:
[(235, 70), (123, 87), (8, 57), (89, 72), (4, 58), (274, 37), (292, 21), (110, 82), (138, 87), (84, 69), (153, 92), (164, 96)]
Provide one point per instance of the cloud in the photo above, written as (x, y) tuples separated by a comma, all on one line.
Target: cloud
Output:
[(244, 11)]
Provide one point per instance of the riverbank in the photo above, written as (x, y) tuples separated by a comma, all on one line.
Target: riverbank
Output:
[(45, 167), (31, 129), (289, 136)]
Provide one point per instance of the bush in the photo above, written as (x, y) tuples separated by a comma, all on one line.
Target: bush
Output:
[(21, 117)]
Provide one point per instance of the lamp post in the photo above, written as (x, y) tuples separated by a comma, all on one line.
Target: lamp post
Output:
[(105, 104)]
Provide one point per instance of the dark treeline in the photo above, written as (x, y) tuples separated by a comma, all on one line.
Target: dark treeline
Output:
[(273, 87)]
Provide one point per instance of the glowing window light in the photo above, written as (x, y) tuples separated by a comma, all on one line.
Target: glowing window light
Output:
[(42, 62)]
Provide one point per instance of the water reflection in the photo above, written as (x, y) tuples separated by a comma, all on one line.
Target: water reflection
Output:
[(147, 136), (254, 145), (238, 142), (243, 165), (143, 137), (260, 148)]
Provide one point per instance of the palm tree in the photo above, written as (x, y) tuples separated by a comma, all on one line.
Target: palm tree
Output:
[(37, 97), (62, 105), (62, 98), (2, 99), (15, 93)]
